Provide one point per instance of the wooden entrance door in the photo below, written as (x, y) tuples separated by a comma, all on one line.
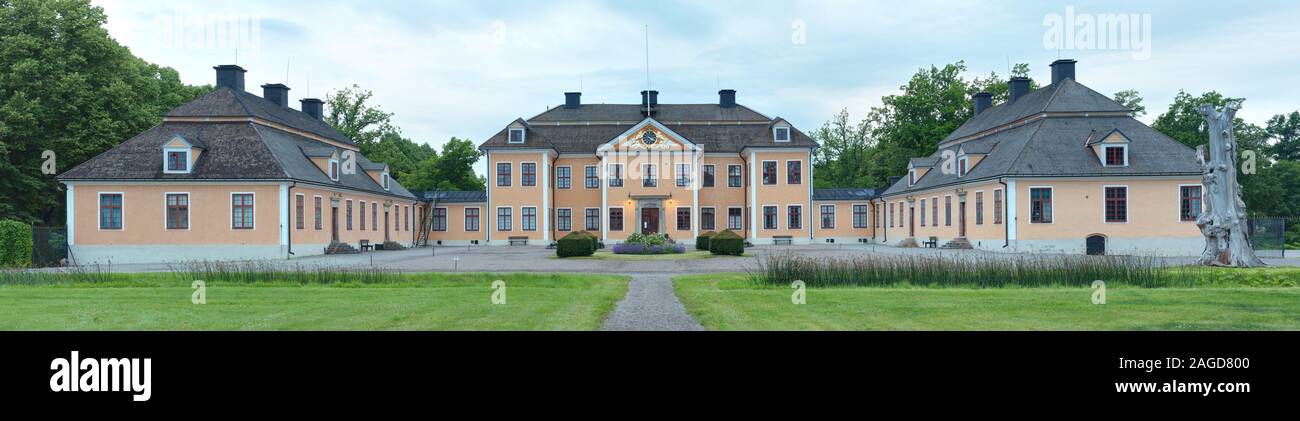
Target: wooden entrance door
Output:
[(386, 226), (911, 221), (961, 219), (649, 220), (334, 223)]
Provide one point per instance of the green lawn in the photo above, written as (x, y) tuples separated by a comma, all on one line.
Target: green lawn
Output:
[(730, 302), (688, 255), (415, 302)]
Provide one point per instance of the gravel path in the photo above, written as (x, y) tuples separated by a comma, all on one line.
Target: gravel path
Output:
[(650, 304)]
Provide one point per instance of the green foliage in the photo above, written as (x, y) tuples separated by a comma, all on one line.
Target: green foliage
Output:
[(1130, 98), (727, 243), (1285, 131), (15, 244), (647, 239), (577, 243), (702, 242), (67, 87)]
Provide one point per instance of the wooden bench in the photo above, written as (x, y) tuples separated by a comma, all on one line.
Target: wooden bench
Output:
[(365, 244), (932, 243), (783, 240), (518, 240)]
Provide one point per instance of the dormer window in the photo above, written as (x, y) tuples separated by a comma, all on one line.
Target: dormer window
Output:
[(516, 135), (1115, 156), (176, 160), (334, 169), (781, 134), (963, 165), (384, 180), (911, 177)]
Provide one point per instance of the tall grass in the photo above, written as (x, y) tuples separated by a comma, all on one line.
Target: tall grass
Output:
[(976, 271), (255, 272), (69, 275)]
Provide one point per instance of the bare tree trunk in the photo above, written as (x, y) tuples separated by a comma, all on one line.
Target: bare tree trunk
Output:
[(1223, 223)]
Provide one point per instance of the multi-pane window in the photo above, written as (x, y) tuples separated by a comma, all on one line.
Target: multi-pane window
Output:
[(707, 219), (563, 177), (1116, 204), (300, 212), (782, 134), (334, 170), (891, 215), (947, 211), (961, 166), (178, 161), (374, 216), (316, 201), (1040, 205), (683, 175), (934, 210), (793, 172), (997, 206), (1189, 203), (592, 177), (859, 216), (406, 218), (769, 217), (471, 219), (241, 211), (110, 211), (828, 217), (615, 175), (528, 218), (683, 219), (1115, 156), (708, 175), (648, 178), (979, 208), (528, 174), (178, 211), (564, 219), (769, 172), (516, 136), (923, 214), (362, 219), (593, 219), (384, 178), (347, 215), (615, 219), (439, 219), (734, 176), (503, 219), (735, 219), (503, 174), (794, 216)]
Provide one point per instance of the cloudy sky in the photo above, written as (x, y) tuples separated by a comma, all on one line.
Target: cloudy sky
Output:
[(467, 68)]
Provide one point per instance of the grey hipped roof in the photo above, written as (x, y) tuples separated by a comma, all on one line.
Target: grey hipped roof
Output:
[(582, 130), (844, 194), (226, 102), (477, 196), (1067, 96)]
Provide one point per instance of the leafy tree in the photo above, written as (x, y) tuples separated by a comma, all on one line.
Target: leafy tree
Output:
[(454, 169), (842, 158), (67, 87), (1130, 98), (1284, 129), (353, 117)]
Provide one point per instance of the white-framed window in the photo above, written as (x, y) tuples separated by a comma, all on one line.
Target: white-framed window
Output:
[(1114, 155), (1115, 204), (963, 166), (528, 218), (299, 211), (1040, 204), (504, 219), (828, 216), (911, 177), (615, 175), (334, 169), (591, 177), (111, 216), (177, 210), (708, 215), (516, 135), (735, 218), (243, 210), (564, 219), (176, 160), (683, 175), (563, 177), (385, 180), (781, 134)]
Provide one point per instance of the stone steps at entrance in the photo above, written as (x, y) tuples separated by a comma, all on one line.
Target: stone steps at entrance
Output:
[(958, 244), (340, 248)]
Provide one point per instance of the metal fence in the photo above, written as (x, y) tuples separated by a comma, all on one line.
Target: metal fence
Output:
[(49, 246), (1271, 236)]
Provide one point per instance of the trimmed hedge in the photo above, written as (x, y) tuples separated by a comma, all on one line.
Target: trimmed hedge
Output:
[(727, 243), (702, 242), (15, 244), (578, 243)]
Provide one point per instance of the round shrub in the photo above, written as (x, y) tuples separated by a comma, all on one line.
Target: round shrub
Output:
[(727, 243), (702, 242), (576, 244), (15, 244)]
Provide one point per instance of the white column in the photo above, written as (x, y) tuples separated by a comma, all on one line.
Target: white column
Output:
[(546, 193), (753, 197), (814, 218), (284, 219), (71, 210), (485, 216), (1009, 206), (601, 170)]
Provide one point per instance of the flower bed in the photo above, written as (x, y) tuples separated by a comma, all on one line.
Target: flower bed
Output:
[(638, 243)]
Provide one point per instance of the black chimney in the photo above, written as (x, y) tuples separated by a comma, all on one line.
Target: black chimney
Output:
[(650, 97), (230, 76), (572, 100), (727, 98), (276, 93), (313, 107), (1062, 69), (1017, 87), (983, 101)]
